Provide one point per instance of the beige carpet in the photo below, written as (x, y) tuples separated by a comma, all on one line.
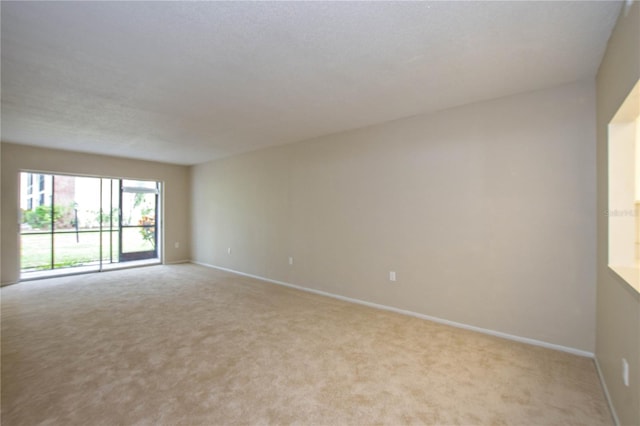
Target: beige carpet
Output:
[(186, 345)]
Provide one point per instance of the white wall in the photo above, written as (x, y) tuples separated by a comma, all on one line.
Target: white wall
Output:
[(618, 304), (486, 212)]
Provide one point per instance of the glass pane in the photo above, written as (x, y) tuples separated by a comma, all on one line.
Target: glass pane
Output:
[(87, 203), (110, 246), (36, 252), (138, 239), (35, 203), (71, 249), (64, 198), (37, 215), (110, 220), (138, 209), (110, 204)]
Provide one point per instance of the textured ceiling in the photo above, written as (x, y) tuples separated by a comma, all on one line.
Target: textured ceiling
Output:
[(187, 82)]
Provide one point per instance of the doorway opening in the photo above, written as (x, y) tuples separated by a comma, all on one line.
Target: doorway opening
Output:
[(73, 224)]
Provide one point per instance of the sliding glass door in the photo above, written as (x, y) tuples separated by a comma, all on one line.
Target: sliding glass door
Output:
[(86, 222), (138, 235)]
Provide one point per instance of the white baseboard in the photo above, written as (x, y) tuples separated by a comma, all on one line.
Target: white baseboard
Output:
[(606, 392), (495, 333)]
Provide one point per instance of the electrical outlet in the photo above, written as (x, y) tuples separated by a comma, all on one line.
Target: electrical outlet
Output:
[(290, 260), (392, 275), (176, 244), (229, 250), (625, 372)]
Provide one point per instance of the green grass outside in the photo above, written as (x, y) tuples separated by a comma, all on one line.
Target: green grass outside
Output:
[(36, 248)]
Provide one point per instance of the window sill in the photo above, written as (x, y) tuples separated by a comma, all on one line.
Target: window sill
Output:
[(630, 274)]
